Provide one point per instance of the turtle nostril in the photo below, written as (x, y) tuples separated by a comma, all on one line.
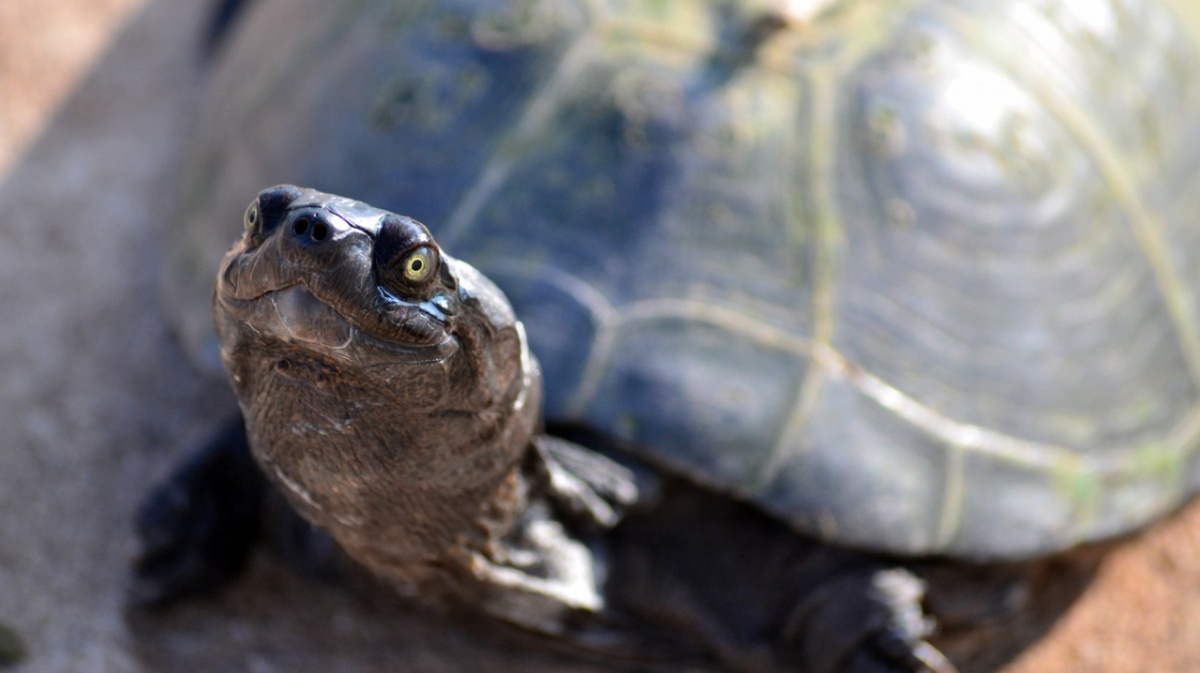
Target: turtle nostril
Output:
[(312, 229)]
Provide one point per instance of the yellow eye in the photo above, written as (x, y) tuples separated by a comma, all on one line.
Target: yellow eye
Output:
[(419, 265), (251, 218)]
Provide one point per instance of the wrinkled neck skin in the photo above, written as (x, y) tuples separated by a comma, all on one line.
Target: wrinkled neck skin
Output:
[(397, 425)]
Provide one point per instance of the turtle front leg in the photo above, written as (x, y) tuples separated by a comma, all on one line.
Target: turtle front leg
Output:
[(196, 529), (549, 568)]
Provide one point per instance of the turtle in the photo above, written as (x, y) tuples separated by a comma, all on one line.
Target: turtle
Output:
[(878, 314)]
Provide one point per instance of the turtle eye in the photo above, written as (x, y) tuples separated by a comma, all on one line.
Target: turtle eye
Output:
[(418, 266), (252, 218), (407, 261)]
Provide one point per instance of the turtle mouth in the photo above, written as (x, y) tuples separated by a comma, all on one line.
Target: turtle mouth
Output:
[(298, 316), (295, 315)]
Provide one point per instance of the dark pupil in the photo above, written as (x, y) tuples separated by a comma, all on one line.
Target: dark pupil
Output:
[(253, 216), (416, 265)]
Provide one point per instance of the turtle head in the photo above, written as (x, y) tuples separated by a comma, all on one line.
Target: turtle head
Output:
[(369, 293), (370, 363)]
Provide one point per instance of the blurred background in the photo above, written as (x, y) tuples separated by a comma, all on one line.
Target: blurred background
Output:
[(96, 399)]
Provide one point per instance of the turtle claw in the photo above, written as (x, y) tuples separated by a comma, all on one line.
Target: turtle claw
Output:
[(933, 659), (195, 530), (890, 654)]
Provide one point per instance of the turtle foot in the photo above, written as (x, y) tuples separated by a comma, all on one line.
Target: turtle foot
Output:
[(865, 622), (591, 489), (195, 530)]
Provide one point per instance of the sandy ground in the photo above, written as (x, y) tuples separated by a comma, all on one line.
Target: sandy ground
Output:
[(96, 400)]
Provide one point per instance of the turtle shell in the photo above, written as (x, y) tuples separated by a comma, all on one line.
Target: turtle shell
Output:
[(918, 277)]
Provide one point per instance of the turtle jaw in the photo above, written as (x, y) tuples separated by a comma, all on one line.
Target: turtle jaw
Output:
[(295, 316)]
